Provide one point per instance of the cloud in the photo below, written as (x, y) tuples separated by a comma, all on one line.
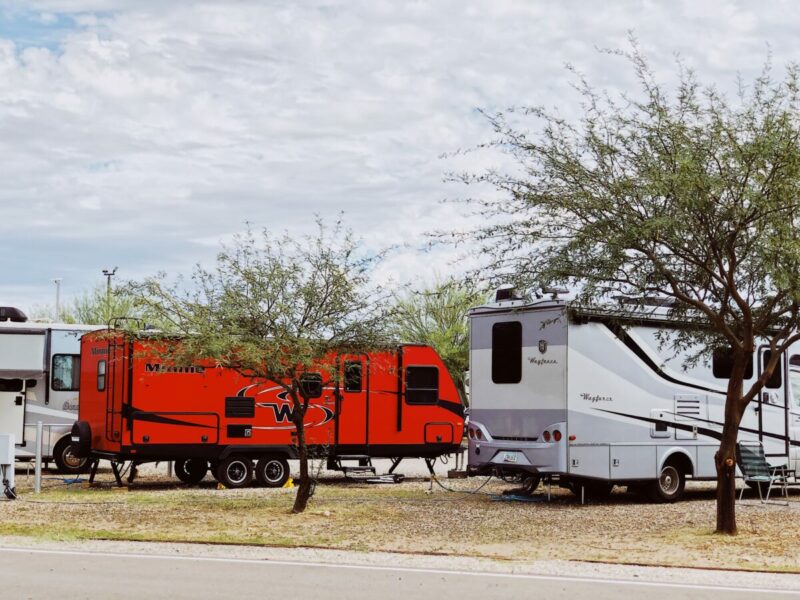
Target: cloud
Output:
[(137, 132)]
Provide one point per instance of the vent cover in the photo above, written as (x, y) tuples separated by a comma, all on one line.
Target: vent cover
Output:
[(240, 407)]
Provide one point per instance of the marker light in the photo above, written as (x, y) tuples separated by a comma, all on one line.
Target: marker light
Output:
[(572, 438), (557, 435), (546, 436)]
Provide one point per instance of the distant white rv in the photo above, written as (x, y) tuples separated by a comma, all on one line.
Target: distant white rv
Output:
[(593, 399), (39, 381)]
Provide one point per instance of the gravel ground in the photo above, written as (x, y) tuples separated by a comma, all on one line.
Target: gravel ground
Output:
[(417, 517)]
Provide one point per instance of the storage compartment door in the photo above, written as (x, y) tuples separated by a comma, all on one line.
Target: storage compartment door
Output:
[(438, 433), (12, 408), (150, 428)]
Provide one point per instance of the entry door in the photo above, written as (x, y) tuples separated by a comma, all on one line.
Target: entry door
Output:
[(771, 409), (353, 410), (117, 374), (12, 408)]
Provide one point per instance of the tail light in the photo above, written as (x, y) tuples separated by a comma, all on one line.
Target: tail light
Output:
[(557, 435), (546, 436), (479, 434), (471, 432)]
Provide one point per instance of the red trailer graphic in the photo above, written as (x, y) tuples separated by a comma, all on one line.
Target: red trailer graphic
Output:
[(134, 406)]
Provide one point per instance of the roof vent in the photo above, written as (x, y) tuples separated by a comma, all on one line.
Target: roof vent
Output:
[(505, 292), (15, 315)]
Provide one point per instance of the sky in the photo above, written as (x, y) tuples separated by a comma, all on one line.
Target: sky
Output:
[(142, 134)]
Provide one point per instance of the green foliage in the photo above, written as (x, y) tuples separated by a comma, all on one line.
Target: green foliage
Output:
[(687, 196), (437, 316), (275, 309)]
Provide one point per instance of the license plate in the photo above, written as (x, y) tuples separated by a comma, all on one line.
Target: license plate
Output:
[(510, 457)]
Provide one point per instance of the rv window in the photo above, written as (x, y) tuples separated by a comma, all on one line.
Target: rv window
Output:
[(776, 380), (722, 364), (10, 385), (507, 352), (422, 385), (794, 378), (101, 376), (352, 376), (66, 375), (311, 385)]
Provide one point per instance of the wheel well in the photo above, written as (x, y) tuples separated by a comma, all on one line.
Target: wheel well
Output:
[(680, 461)]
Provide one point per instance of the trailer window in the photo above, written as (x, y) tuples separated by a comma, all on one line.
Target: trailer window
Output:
[(507, 352), (66, 372), (776, 379), (311, 385), (422, 385), (10, 385), (722, 364), (352, 376), (794, 378), (101, 376)]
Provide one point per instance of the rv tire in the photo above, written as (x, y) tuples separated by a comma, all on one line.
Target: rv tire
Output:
[(66, 460), (235, 471), (669, 486), (272, 471), (191, 470)]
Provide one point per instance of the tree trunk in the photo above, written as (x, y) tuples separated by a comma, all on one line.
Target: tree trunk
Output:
[(726, 477), (304, 489), (725, 457)]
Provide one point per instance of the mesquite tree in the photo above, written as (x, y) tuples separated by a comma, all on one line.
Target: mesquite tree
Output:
[(275, 309), (437, 316), (680, 194)]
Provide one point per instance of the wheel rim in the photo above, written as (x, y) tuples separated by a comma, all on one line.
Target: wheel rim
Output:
[(237, 472), (669, 480), (69, 458), (273, 471)]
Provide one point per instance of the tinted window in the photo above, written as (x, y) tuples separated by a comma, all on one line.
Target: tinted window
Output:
[(422, 385), (101, 376), (776, 379), (507, 352), (66, 374), (722, 364), (311, 385), (352, 376)]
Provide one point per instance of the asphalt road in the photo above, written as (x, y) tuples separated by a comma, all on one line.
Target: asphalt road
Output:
[(39, 573)]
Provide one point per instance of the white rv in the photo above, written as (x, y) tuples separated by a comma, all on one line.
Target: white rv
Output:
[(39, 381), (569, 394)]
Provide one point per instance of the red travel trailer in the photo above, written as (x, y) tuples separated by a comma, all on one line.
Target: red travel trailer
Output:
[(135, 407)]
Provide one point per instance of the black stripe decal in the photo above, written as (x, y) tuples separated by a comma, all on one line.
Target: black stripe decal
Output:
[(702, 430), (622, 336)]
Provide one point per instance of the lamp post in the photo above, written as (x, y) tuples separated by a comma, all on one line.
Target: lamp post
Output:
[(109, 273), (57, 281)]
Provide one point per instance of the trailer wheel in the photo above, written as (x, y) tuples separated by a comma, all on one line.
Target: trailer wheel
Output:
[(272, 471), (235, 471), (191, 471), (669, 486), (66, 459)]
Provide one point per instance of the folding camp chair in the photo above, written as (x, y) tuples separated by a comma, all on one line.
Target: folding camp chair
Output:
[(756, 470)]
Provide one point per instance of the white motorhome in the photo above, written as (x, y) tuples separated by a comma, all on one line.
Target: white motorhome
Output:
[(594, 399), (39, 381)]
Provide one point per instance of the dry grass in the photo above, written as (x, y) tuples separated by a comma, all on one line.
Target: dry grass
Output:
[(411, 518)]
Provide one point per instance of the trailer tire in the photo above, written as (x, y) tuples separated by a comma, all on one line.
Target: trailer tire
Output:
[(235, 471), (272, 471), (66, 458), (670, 484), (191, 471)]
